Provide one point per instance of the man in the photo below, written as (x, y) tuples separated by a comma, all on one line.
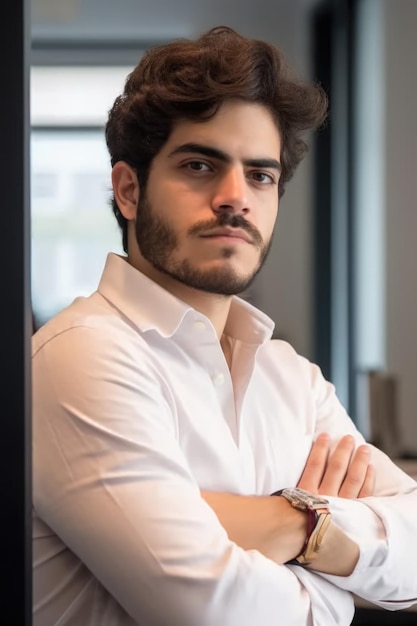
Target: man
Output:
[(164, 417)]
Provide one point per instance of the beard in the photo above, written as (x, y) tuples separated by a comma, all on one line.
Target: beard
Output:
[(158, 242)]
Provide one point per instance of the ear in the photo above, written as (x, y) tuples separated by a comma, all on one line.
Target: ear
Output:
[(125, 189)]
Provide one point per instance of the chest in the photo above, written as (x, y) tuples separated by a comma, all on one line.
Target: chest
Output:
[(246, 431)]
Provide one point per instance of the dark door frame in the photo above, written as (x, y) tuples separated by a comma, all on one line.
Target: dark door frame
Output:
[(333, 40), (16, 321)]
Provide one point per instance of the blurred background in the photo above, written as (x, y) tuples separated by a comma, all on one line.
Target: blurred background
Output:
[(340, 282)]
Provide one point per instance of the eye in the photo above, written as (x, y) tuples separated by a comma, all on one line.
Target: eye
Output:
[(264, 178), (197, 166)]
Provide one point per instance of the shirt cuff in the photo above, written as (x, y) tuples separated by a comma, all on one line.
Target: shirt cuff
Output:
[(366, 528), (376, 576)]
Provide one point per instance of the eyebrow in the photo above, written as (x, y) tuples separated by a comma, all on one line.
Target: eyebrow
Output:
[(220, 155)]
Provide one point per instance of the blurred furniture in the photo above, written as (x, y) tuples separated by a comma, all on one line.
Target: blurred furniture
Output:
[(375, 617), (382, 392)]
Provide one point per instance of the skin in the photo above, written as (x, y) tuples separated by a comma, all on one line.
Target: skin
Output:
[(209, 210), (346, 473)]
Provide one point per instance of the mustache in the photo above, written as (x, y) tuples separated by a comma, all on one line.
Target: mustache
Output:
[(233, 221)]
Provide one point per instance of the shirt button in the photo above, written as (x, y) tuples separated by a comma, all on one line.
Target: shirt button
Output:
[(218, 379), (199, 325)]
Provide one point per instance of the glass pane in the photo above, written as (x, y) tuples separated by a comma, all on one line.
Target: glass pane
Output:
[(73, 226), (74, 96)]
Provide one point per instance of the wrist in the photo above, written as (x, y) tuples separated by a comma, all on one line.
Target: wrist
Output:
[(339, 554), (318, 517)]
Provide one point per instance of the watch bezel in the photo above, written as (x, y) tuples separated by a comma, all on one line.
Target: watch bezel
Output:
[(302, 499)]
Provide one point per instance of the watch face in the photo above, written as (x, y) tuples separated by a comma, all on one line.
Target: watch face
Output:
[(303, 499)]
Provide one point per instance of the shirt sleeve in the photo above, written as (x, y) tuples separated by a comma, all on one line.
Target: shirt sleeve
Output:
[(384, 525), (111, 481)]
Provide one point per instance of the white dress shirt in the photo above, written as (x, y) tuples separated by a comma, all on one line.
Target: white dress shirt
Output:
[(134, 412)]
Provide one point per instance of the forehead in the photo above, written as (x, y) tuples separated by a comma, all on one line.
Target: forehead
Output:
[(241, 129)]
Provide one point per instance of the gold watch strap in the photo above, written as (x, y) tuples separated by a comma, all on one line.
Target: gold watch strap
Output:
[(316, 538)]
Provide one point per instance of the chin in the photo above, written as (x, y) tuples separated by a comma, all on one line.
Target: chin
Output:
[(221, 281)]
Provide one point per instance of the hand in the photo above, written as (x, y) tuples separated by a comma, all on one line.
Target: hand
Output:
[(345, 472)]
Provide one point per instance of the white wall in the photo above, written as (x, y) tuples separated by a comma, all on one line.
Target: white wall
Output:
[(401, 207)]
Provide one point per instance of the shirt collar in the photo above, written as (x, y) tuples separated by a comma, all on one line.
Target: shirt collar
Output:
[(151, 307)]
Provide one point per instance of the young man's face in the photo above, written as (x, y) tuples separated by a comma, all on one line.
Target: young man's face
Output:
[(207, 215)]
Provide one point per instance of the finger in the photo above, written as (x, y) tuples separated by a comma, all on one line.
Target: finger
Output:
[(356, 473), (368, 487), (337, 467), (316, 464)]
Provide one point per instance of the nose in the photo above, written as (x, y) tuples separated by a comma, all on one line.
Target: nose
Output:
[(231, 192)]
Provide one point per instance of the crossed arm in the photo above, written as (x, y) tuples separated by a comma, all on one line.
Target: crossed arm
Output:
[(277, 530)]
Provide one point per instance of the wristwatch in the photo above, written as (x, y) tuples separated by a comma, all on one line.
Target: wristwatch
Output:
[(319, 518)]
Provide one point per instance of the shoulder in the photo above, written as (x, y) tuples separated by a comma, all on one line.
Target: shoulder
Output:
[(279, 361), (88, 329), (281, 355)]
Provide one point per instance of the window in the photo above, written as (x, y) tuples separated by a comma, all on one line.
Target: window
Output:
[(73, 227)]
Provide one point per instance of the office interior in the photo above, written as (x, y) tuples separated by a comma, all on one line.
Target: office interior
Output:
[(340, 280)]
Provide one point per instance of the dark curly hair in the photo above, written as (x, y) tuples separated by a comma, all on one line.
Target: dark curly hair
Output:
[(188, 79)]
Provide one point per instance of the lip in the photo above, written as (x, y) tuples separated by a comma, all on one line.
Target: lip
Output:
[(227, 234)]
